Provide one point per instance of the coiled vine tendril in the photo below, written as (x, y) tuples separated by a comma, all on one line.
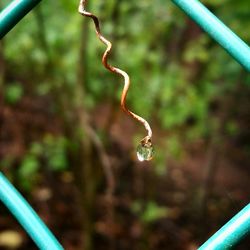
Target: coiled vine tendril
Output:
[(145, 148)]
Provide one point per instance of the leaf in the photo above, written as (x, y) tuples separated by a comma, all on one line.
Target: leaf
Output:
[(29, 166), (151, 213), (13, 93)]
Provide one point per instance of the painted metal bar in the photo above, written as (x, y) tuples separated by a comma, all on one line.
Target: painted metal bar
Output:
[(13, 13), (231, 233), (26, 216), (238, 49)]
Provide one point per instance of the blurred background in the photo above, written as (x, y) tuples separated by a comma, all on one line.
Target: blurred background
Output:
[(71, 151)]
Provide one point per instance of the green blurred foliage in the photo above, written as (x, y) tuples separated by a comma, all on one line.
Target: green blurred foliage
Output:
[(28, 170), (150, 213), (151, 43), (13, 93), (49, 154)]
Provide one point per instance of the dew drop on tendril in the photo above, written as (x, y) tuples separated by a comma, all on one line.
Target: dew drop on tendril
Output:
[(145, 151)]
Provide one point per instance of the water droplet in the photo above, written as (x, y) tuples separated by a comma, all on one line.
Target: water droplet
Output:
[(145, 151)]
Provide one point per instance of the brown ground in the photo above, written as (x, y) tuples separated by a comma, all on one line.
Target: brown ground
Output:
[(186, 225)]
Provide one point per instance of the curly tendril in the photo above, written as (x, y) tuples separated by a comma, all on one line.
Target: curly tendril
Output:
[(145, 143)]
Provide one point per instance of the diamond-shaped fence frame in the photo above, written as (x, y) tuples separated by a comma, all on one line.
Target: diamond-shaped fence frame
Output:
[(233, 231)]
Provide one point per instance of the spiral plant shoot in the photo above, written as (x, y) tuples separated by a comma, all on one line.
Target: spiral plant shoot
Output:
[(145, 149)]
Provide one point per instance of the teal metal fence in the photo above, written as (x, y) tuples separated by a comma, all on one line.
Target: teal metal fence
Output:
[(232, 232), (13, 13), (238, 49), (26, 216)]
